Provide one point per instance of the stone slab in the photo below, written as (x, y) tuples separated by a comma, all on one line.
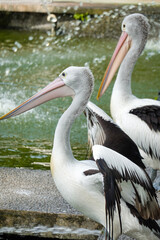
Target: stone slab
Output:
[(72, 6)]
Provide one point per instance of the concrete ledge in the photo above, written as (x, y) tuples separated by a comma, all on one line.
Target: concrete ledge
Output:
[(93, 19), (31, 190), (92, 7), (48, 225)]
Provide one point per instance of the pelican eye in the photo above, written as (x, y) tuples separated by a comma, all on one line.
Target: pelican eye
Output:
[(63, 74), (124, 27)]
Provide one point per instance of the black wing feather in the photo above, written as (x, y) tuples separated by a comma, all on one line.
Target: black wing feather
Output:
[(150, 114), (116, 139), (112, 194), (120, 142), (150, 223)]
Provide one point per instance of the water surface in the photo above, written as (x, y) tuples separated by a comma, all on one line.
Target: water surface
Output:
[(28, 62)]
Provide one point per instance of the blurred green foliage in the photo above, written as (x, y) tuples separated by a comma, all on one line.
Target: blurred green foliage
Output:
[(81, 16)]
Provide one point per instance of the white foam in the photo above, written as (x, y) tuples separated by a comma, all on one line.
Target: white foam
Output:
[(153, 45), (6, 105), (54, 230)]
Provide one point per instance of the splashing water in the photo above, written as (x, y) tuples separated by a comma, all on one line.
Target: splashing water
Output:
[(38, 60)]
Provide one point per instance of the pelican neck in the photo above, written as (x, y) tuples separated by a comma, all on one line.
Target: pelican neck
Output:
[(123, 80), (122, 91), (61, 143)]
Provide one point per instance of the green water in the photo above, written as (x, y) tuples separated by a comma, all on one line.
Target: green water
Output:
[(28, 62)]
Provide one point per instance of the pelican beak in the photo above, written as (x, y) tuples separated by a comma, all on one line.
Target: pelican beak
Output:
[(55, 89), (120, 52)]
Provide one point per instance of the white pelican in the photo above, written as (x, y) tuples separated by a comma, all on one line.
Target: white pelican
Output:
[(139, 118), (112, 190)]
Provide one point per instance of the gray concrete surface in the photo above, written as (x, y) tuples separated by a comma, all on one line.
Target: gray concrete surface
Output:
[(23, 189)]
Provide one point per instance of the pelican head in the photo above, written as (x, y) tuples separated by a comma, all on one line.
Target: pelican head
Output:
[(69, 83), (135, 28)]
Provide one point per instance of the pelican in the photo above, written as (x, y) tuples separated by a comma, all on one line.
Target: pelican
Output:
[(111, 190), (138, 118)]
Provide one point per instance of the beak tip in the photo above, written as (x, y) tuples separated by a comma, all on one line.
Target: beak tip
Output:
[(98, 96), (2, 118), (99, 92)]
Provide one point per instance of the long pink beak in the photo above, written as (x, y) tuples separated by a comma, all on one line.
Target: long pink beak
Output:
[(55, 89), (120, 52)]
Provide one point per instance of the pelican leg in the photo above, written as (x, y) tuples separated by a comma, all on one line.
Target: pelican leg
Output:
[(102, 236)]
